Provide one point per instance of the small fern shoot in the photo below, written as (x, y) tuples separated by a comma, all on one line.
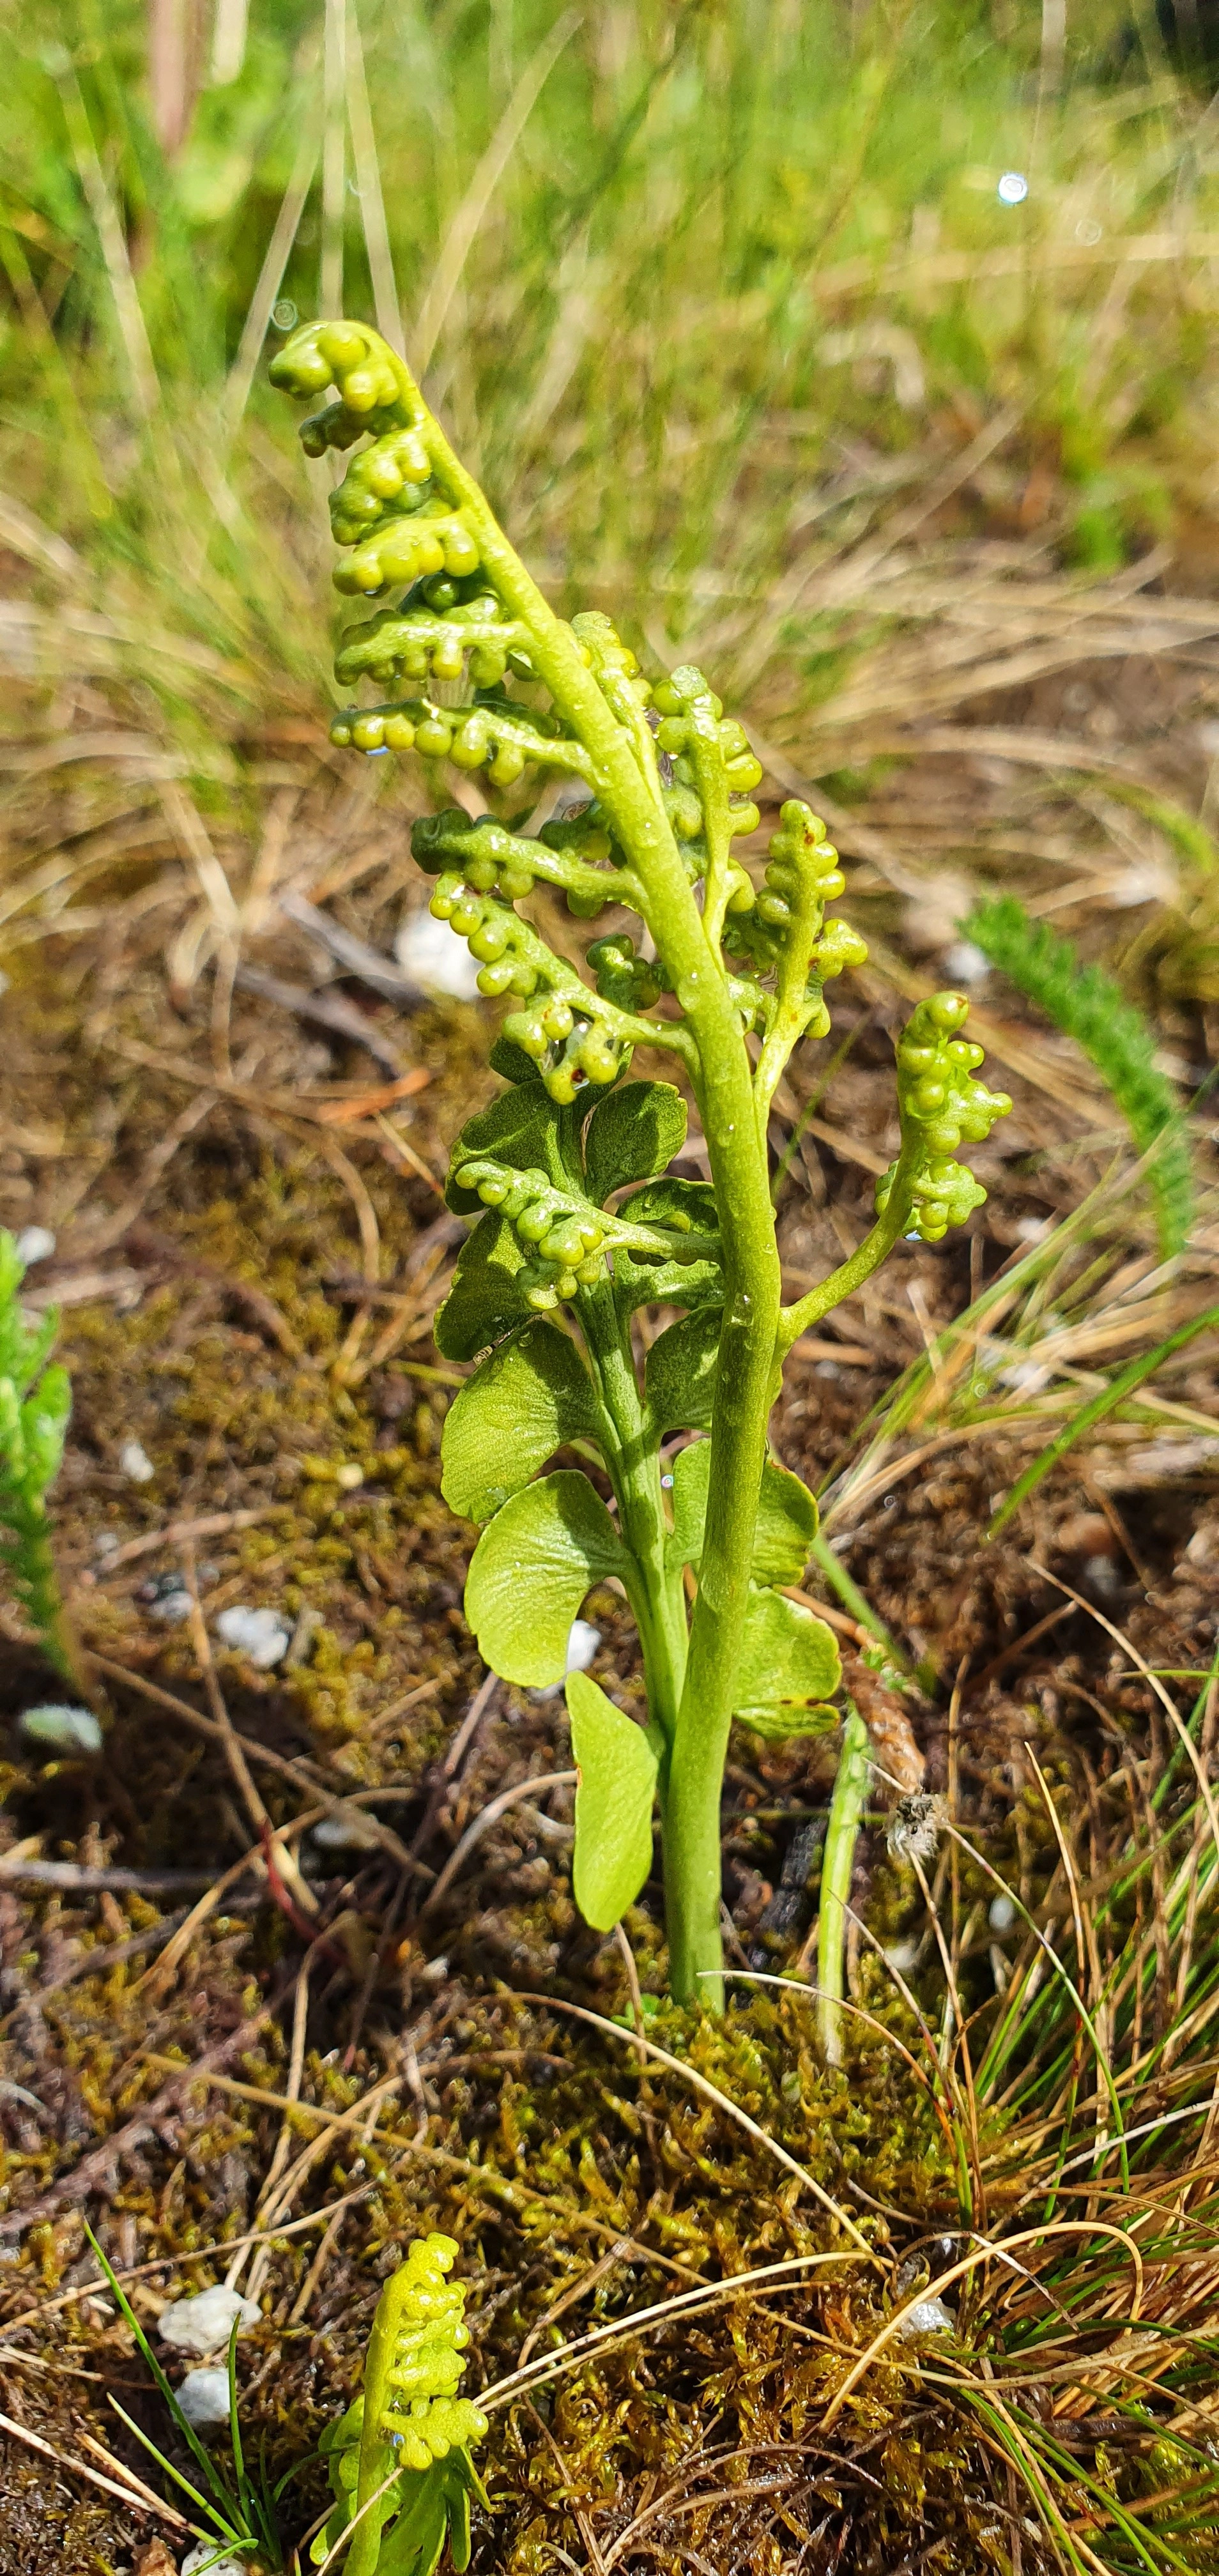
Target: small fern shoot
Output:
[(35, 1402), (400, 2464), (1088, 1006)]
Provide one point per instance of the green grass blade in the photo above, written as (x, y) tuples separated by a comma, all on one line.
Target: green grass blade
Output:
[(229, 2531), (225, 2498)]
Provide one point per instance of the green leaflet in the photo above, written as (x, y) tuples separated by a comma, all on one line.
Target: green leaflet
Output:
[(528, 1398), (484, 1301), (689, 1205), (786, 1524), (530, 1571), (512, 1062), (679, 1374), (523, 1129), (789, 1667), (632, 1134), (614, 1802)]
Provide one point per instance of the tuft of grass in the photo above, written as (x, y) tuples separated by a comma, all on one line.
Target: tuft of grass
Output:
[(240, 2516)]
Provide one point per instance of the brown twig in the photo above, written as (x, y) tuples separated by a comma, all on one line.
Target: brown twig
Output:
[(93, 1882), (211, 1525), (233, 1748), (92, 1962), (296, 2068), (327, 1010), (179, 2260), (140, 2501), (521, 1789), (298, 1769)]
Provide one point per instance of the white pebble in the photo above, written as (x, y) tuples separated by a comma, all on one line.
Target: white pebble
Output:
[(966, 964), (205, 2322), (582, 1644), (204, 2398), (345, 1833), (1002, 1914), (435, 957), (171, 1607), (202, 2556), (260, 1634), (927, 2316), (136, 1463), (1102, 1574), (35, 1243), (69, 1730)]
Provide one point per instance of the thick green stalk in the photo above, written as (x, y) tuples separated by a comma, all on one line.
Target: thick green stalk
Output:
[(837, 1869), (745, 1390)]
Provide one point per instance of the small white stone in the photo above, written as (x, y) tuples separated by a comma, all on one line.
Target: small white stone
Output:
[(582, 1644), (1002, 1913), (1102, 1574), (171, 1607), (69, 1730), (436, 957), (205, 2322), (260, 1634), (204, 2398), (35, 1243), (966, 964), (345, 1833), (201, 2556), (927, 2316), (136, 1463)]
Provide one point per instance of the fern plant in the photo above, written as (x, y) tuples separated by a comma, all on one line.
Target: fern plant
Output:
[(579, 1222), (1088, 1006), (399, 2459), (35, 1403)]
